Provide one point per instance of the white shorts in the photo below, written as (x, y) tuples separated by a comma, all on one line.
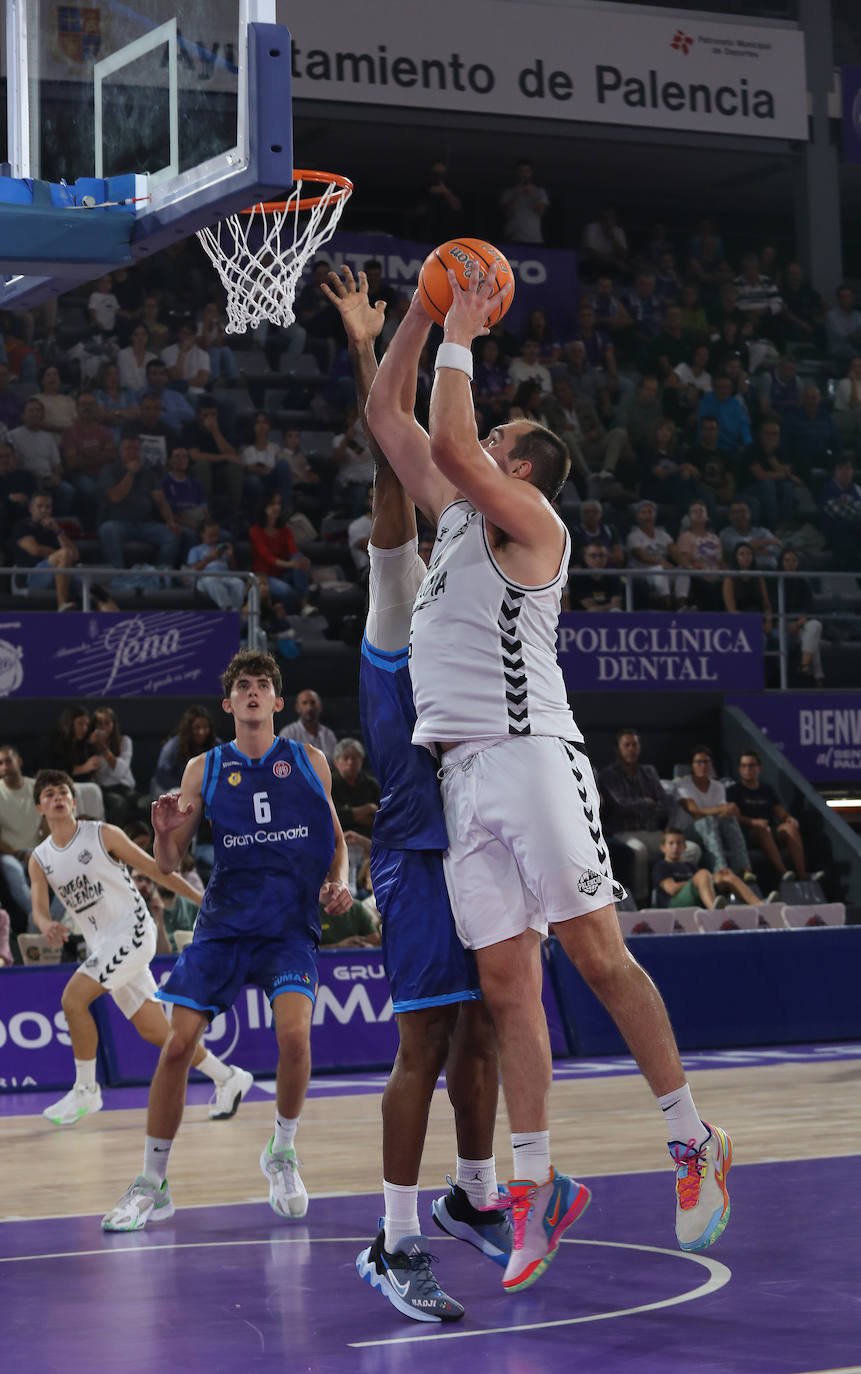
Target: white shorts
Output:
[(120, 961), (525, 840)]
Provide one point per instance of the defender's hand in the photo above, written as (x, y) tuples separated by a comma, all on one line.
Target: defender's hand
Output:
[(362, 321)]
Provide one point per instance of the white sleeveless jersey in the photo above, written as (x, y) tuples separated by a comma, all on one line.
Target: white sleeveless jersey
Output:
[(483, 647), (94, 887)]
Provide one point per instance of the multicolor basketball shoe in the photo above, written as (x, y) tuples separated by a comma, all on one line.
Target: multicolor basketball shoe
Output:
[(540, 1214), (702, 1199), (404, 1276), (489, 1230)]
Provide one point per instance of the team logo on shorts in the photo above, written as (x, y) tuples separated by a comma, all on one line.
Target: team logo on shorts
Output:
[(281, 769), (234, 779), (589, 882), (85, 856)]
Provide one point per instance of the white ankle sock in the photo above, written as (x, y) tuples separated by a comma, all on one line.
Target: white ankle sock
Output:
[(285, 1131), (214, 1069), (85, 1073), (156, 1155), (531, 1151), (402, 1213), (681, 1118), (477, 1178)]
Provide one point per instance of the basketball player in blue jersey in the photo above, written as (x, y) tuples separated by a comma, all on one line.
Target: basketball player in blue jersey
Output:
[(279, 850), (520, 801), (434, 982)]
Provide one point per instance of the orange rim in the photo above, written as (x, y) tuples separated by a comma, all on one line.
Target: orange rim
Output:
[(345, 187)]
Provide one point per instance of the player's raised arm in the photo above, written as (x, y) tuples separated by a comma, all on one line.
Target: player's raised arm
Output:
[(119, 846), (335, 893), (483, 472), (390, 415), (175, 818)]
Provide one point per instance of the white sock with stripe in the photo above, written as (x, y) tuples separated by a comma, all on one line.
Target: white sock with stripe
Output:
[(477, 1178)]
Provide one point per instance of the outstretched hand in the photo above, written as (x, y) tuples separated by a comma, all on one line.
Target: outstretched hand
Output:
[(473, 304), (167, 815), (362, 321)]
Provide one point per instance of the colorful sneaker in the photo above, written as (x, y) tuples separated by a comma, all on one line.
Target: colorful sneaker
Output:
[(288, 1195), (702, 1200), (78, 1102), (226, 1099), (405, 1277), (489, 1230), (141, 1203), (540, 1213)]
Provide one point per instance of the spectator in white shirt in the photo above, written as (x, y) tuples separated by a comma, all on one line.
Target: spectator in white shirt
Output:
[(525, 206), (649, 545), (847, 406), (265, 468), (308, 727), (843, 327), (527, 367), (605, 244), (103, 305), (39, 453), (186, 361), (132, 361)]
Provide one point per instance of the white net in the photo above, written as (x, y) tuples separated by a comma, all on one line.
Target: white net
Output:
[(260, 253)]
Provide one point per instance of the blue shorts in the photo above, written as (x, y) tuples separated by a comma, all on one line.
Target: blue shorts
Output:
[(210, 972), (425, 963)]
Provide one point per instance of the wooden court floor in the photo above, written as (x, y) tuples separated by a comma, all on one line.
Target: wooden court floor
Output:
[(599, 1126)]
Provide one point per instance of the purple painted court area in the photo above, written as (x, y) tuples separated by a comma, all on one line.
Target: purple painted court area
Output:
[(232, 1289)]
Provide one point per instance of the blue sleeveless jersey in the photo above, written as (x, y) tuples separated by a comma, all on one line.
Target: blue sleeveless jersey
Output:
[(410, 814), (274, 841)]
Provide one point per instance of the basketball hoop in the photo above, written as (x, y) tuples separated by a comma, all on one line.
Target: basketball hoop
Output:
[(260, 253)]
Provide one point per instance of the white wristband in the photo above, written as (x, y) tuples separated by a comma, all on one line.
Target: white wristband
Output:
[(456, 356)]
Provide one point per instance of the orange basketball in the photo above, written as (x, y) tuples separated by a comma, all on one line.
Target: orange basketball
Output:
[(459, 254)]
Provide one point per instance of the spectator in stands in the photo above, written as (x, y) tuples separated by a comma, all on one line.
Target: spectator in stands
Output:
[(356, 929), (843, 327), (803, 309), (538, 327), (308, 727), (438, 214), (635, 809), (60, 410), (116, 405), (664, 477), (604, 247), (274, 552), (40, 543), (184, 494), (157, 329), (134, 507), (671, 346), (641, 412), (610, 310), (16, 489), (726, 312), (840, 504), (11, 404), (156, 438), (768, 483), (212, 339), (310, 494), (217, 465), (597, 346), (186, 361), (214, 554), (132, 361), (747, 593), (707, 264), (695, 380), (194, 735), (646, 310), (378, 290), (265, 469), (682, 884), (86, 446), (699, 547), (20, 832), (526, 403), (524, 206), (169, 911), (128, 290), (765, 821), (176, 410), (317, 315), (740, 530), (802, 626), (103, 306), (352, 454), (715, 819), (813, 440), (649, 545), (759, 298), (38, 452), (732, 418), (597, 454), (779, 389), (593, 591), (355, 792), (847, 407), (592, 530), (694, 318), (668, 283), (114, 775), (490, 387), (528, 367)]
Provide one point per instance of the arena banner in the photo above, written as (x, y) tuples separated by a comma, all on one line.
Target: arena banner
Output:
[(820, 734), (579, 62), (35, 1049), (545, 278), (655, 650), (110, 654)]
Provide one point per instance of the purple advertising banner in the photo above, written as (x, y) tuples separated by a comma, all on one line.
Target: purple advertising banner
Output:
[(819, 734), (851, 85), (115, 654), (545, 278), (35, 1049), (657, 651)]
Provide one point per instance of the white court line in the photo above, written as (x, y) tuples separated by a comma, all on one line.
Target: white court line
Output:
[(186, 1245), (719, 1275)]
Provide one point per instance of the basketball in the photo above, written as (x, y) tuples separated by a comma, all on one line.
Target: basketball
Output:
[(458, 254)]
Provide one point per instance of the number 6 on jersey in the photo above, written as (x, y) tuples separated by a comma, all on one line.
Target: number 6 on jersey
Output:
[(262, 809)]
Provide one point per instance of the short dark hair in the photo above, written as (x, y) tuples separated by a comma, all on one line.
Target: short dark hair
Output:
[(703, 749), (254, 664), (50, 777), (155, 362), (673, 830), (628, 730), (750, 754), (549, 456)]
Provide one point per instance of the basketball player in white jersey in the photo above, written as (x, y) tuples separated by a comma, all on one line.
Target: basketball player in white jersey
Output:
[(522, 811), (87, 864)]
